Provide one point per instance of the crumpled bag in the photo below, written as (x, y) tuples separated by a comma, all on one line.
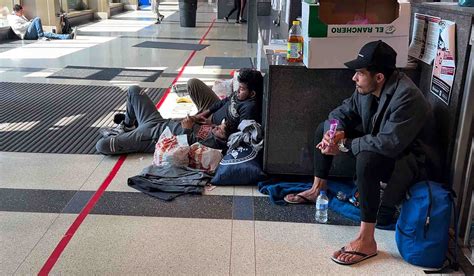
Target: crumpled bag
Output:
[(171, 150), (223, 88), (204, 158)]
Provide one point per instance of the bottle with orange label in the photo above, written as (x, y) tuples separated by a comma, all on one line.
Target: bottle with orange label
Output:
[(295, 43)]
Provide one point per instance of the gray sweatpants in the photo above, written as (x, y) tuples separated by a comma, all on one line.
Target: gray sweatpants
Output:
[(140, 109)]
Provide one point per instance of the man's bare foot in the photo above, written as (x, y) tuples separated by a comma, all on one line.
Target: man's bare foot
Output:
[(308, 195), (359, 245)]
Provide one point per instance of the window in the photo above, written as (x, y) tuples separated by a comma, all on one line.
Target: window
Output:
[(74, 5), (6, 7)]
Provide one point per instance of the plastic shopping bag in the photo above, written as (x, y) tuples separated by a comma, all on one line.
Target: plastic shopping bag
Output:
[(171, 150), (204, 158), (222, 88)]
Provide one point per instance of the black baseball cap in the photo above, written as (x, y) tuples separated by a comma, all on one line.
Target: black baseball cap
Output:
[(376, 54)]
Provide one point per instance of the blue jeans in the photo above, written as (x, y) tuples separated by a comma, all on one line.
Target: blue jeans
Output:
[(35, 31)]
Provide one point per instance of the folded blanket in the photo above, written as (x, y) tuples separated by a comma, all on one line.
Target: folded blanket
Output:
[(278, 190)]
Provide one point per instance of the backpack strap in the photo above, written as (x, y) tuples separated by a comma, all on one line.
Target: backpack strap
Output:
[(428, 213)]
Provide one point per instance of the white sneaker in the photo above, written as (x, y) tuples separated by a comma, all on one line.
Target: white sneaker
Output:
[(73, 34), (43, 38)]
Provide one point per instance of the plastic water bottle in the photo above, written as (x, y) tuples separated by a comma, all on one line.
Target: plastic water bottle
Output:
[(322, 202)]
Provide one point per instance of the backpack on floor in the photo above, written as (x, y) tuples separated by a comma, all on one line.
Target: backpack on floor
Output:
[(422, 229)]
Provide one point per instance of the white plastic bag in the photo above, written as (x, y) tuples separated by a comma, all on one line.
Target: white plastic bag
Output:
[(222, 88), (204, 158), (171, 150)]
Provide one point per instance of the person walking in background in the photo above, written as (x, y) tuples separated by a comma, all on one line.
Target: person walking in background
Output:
[(155, 8), (32, 29), (239, 8), (243, 3)]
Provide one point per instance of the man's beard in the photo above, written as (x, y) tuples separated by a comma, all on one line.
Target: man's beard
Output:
[(370, 90)]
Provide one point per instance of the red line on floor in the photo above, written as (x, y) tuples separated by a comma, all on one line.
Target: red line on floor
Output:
[(184, 66), (53, 258)]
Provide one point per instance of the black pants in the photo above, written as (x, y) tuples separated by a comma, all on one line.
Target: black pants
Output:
[(237, 7), (371, 169)]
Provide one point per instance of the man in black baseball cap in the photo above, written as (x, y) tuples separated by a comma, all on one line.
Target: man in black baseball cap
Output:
[(379, 125), (375, 54)]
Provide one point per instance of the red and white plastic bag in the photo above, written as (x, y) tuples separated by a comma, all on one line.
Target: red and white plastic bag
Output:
[(171, 150), (204, 158)]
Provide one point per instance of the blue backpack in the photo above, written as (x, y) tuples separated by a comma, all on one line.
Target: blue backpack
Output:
[(422, 228)]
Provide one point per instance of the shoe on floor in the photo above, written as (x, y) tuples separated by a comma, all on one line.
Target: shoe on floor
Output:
[(73, 33), (298, 199), (243, 21), (114, 131), (360, 254), (119, 118), (226, 19), (238, 22), (43, 38)]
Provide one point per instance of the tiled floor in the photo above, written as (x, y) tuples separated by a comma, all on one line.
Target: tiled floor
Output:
[(229, 230)]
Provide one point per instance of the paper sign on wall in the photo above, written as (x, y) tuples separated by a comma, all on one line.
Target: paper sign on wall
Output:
[(444, 66), (425, 36)]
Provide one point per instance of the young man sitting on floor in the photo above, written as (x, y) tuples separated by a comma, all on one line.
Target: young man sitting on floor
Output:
[(140, 127), (32, 29), (244, 104)]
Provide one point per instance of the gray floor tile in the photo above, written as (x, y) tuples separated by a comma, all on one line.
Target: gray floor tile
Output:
[(171, 46), (228, 62)]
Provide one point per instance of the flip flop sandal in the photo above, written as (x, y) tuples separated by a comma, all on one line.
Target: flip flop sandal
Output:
[(305, 199), (363, 255)]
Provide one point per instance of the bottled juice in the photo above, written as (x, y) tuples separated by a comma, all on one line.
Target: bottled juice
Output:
[(295, 43)]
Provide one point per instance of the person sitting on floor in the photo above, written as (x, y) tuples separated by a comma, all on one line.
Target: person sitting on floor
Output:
[(244, 104), (381, 126), (140, 127), (32, 29)]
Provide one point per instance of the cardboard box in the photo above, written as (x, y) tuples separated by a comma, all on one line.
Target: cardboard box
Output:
[(335, 30)]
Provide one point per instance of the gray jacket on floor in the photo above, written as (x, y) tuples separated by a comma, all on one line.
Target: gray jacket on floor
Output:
[(168, 182)]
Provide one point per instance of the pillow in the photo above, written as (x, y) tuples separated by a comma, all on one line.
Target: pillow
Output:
[(240, 166)]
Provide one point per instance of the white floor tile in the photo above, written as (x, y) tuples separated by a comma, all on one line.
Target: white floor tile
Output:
[(305, 249), (138, 245), (242, 261), (19, 235), (46, 171)]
